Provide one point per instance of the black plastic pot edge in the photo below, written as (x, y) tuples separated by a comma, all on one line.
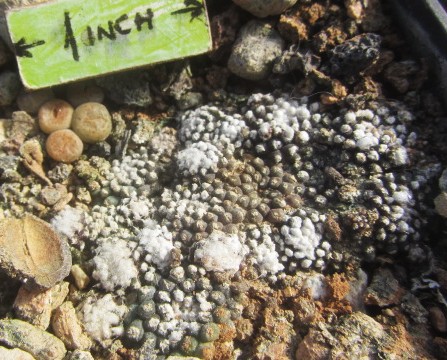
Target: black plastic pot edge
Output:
[(425, 25)]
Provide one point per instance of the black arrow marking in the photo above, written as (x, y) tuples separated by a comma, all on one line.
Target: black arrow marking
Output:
[(21, 47)]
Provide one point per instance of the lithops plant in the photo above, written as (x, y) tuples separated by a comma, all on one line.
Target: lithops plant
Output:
[(92, 122)]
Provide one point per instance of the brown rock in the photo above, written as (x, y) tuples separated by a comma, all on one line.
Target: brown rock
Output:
[(314, 12), (305, 311), (14, 354), (224, 27), (438, 319), (414, 309), (329, 37), (405, 75), (384, 289), (50, 195), (441, 204), (354, 9), (35, 306), (355, 336), (32, 156), (31, 251), (373, 17), (223, 350), (440, 346), (22, 127), (67, 327), (292, 28), (227, 331), (277, 338), (244, 329)]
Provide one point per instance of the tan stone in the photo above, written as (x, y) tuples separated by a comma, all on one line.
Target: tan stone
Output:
[(438, 319), (67, 327), (354, 9), (80, 277), (81, 355), (35, 306), (32, 155), (14, 354), (33, 252)]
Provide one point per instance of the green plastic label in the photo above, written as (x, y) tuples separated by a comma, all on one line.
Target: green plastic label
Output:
[(66, 40)]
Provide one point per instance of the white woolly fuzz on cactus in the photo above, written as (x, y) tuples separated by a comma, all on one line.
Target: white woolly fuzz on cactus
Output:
[(302, 236), (198, 158), (102, 318), (114, 267), (220, 252), (69, 222), (156, 242)]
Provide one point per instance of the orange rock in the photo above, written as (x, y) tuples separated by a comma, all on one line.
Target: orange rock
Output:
[(35, 306), (67, 328)]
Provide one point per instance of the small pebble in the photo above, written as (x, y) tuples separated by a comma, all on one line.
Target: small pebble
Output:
[(64, 146), (36, 306), (55, 115), (80, 355), (80, 277), (39, 343), (92, 122)]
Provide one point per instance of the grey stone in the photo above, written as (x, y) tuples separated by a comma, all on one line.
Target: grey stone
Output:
[(413, 307), (355, 336), (129, 88), (9, 87), (263, 8), (39, 343), (443, 181), (255, 50), (384, 289), (81, 355), (190, 100), (9, 163), (441, 204)]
